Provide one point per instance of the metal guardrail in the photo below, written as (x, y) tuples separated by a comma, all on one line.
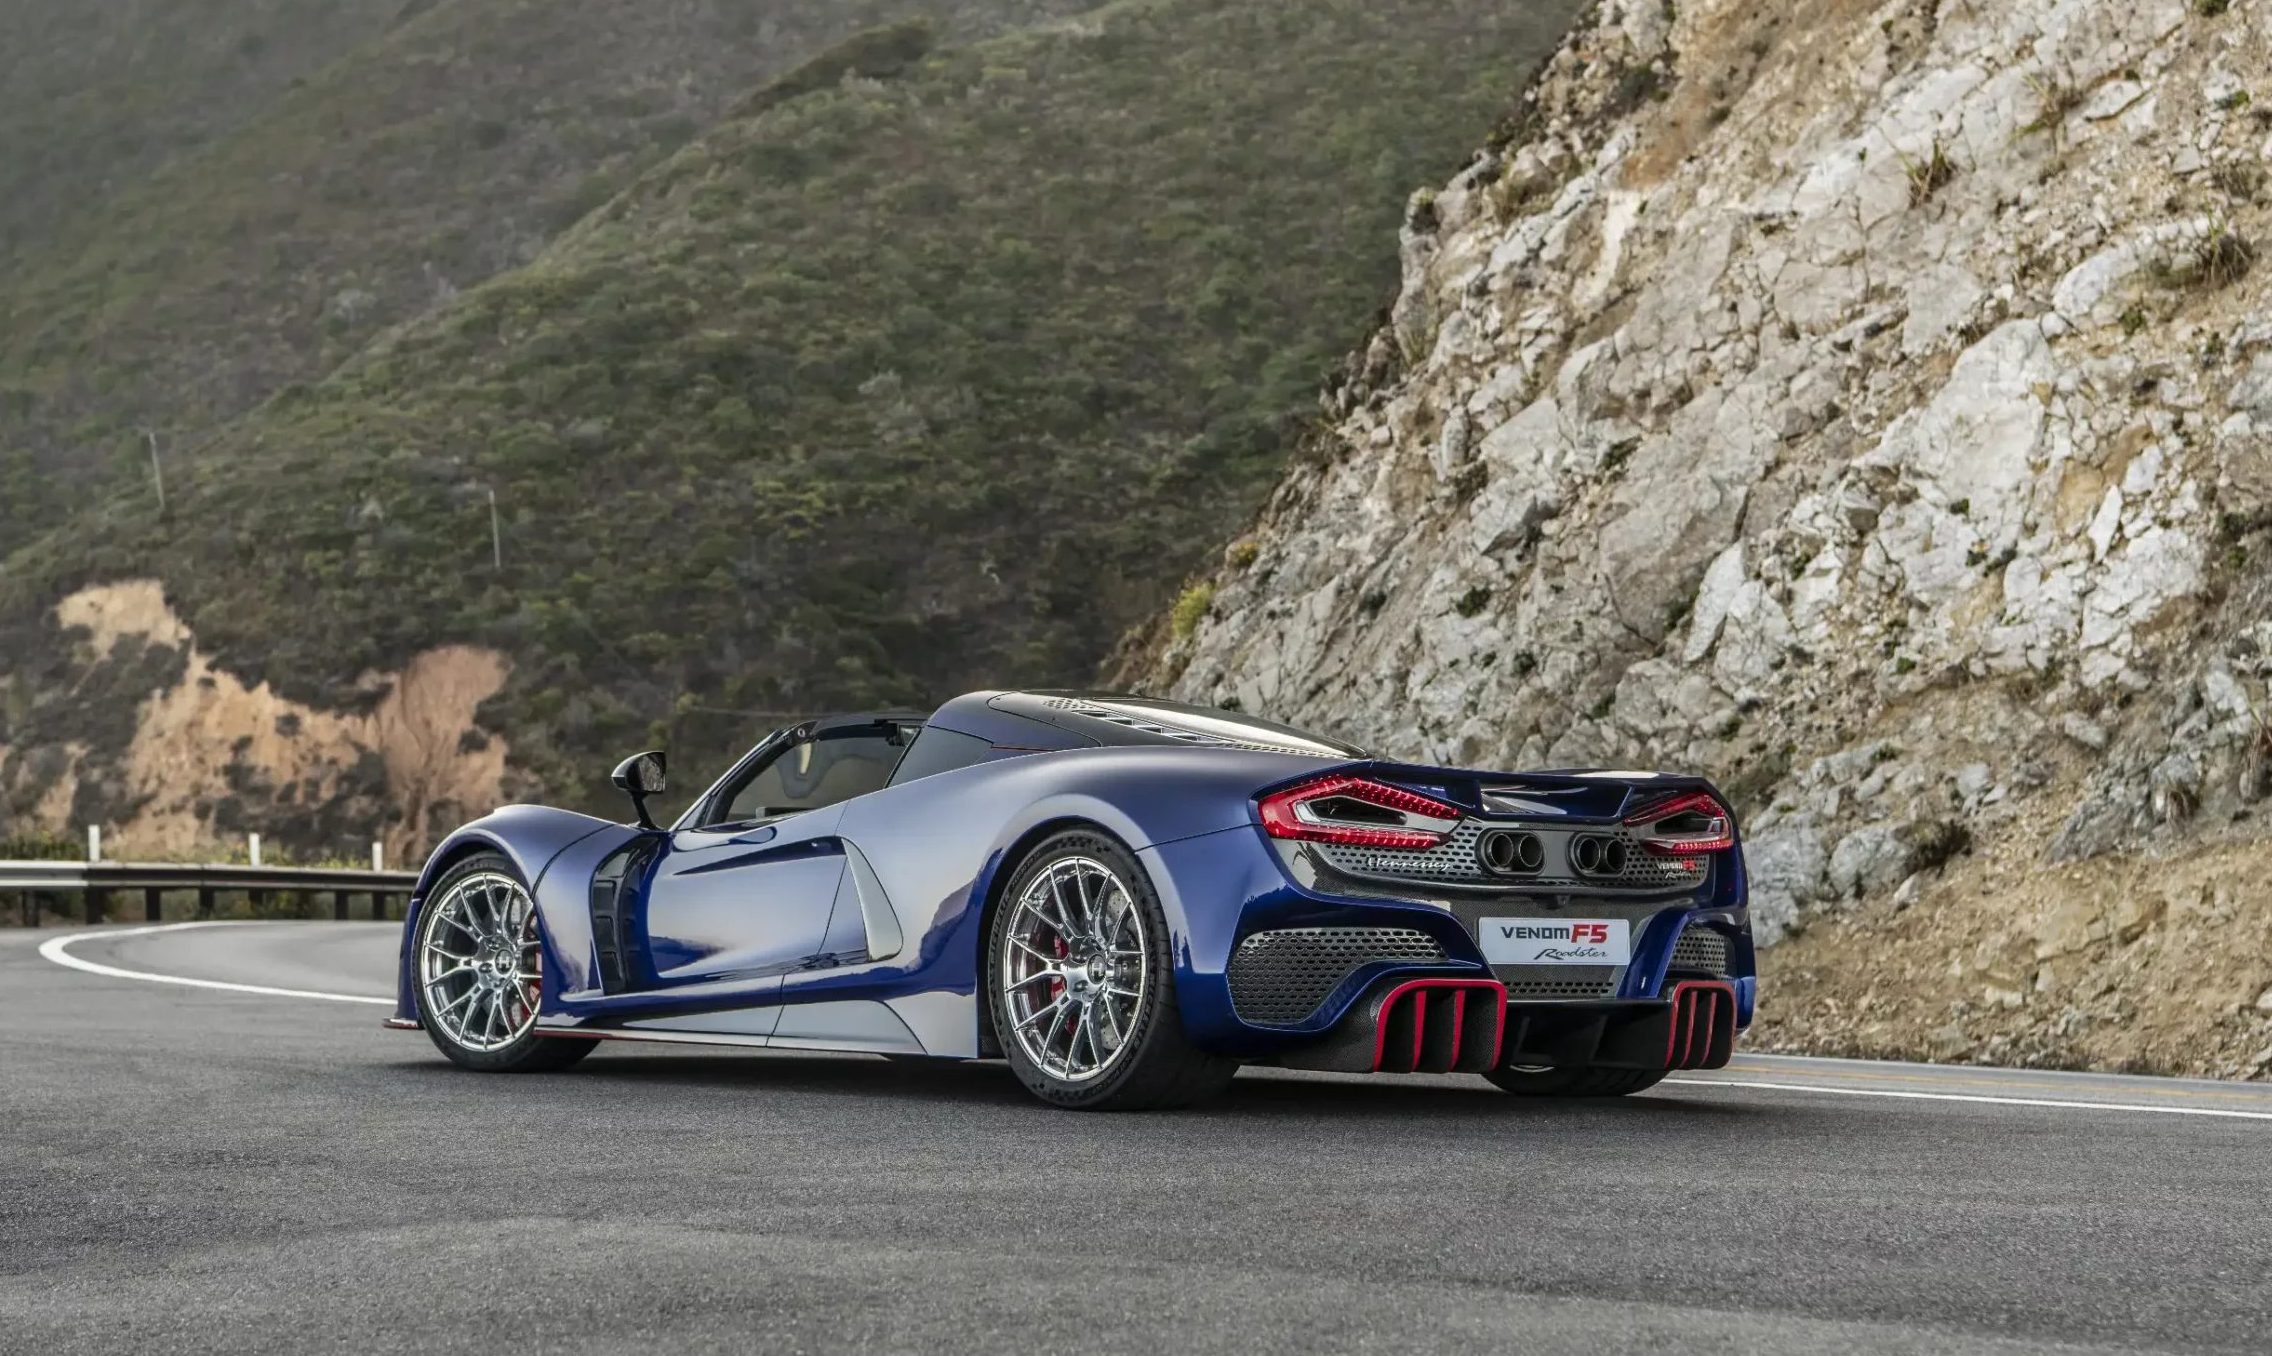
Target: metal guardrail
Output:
[(98, 880)]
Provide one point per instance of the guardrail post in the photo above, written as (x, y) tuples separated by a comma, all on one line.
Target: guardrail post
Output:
[(95, 903), (153, 904), (204, 901), (339, 905)]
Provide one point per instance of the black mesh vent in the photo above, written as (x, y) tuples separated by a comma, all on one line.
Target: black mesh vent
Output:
[(1700, 951), (1282, 977), (1575, 981)]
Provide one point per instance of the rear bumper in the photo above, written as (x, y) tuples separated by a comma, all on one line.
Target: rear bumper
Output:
[(1223, 889)]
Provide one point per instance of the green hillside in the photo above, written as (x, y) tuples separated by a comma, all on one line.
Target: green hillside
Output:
[(887, 388), (447, 148), (95, 96)]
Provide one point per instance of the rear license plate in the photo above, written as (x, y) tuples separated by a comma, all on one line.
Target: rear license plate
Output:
[(1555, 941)]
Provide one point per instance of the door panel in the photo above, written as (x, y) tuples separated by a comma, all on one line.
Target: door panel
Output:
[(725, 904)]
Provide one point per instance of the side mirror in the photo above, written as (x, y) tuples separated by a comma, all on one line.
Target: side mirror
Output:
[(641, 776)]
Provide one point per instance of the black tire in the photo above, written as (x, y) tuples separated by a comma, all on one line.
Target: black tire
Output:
[(1580, 1081), (1155, 1066), (527, 1053)]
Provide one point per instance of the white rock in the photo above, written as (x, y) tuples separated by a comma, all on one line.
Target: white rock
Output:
[(2149, 572), (2111, 100), (1786, 870), (2251, 392), (1868, 859), (2106, 522), (2092, 291), (2083, 730), (1723, 579)]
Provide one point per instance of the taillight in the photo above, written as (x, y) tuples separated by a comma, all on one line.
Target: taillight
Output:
[(1359, 812), (1690, 822)]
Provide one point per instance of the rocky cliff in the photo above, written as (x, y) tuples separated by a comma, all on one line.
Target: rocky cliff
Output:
[(1869, 405)]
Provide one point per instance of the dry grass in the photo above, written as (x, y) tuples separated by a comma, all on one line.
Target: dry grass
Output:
[(1928, 175), (2055, 98), (2240, 180)]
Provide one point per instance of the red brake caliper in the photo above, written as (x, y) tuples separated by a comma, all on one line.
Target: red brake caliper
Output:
[(531, 991)]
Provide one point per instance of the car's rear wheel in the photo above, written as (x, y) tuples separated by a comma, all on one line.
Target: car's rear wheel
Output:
[(1580, 1081), (1082, 987), (479, 965)]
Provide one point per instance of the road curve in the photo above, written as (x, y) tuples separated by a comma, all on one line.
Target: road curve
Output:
[(185, 1168)]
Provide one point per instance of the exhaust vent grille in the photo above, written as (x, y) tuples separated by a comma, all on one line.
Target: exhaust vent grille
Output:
[(1700, 951), (1525, 982), (1281, 977)]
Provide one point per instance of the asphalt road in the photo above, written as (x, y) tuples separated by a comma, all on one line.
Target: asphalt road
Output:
[(191, 1169)]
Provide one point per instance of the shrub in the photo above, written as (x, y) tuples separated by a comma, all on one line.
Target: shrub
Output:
[(35, 845), (1191, 609)]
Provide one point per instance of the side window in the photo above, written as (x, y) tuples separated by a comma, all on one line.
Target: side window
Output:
[(937, 750), (816, 773)]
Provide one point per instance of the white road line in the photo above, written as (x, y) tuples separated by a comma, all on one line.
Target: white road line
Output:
[(57, 949), (1974, 1097)]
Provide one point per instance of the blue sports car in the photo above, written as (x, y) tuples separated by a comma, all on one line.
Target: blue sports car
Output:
[(1124, 899)]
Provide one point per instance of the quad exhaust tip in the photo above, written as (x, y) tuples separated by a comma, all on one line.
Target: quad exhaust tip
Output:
[(1509, 852), (1595, 855)]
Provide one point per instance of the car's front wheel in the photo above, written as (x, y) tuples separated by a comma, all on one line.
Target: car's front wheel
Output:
[(1082, 988), (480, 971)]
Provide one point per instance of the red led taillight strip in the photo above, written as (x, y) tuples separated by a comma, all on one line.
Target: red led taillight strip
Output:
[(1717, 834), (1298, 812)]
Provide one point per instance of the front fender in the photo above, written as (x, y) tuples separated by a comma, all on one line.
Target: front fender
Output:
[(530, 836)]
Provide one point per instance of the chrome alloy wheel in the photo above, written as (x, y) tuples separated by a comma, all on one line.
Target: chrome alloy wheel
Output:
[(479, 962), (1076, 968)]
